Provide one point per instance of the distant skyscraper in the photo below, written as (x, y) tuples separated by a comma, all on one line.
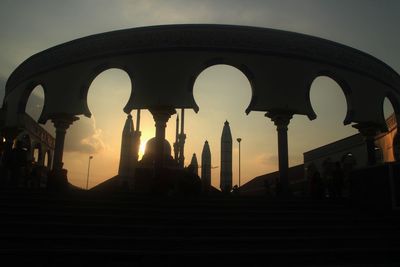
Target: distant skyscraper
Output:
[(194, 164), (126, 161), (226, 159), (206, 166)]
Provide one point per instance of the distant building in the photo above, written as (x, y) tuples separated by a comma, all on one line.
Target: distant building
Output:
[(38, 146), (266, 184), (351, 151)]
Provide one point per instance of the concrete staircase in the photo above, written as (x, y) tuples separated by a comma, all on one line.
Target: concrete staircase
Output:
[(83, 228)]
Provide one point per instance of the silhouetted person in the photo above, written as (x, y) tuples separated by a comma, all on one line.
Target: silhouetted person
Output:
[(327, 177), (267, 186), (7, 166), (338, 180), (316, 187), (348, 165), (18, 164), (37, 175)]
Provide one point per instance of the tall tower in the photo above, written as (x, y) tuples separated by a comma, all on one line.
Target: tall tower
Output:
[(226, 159), (127, 158), (194, 164), (206, 166)]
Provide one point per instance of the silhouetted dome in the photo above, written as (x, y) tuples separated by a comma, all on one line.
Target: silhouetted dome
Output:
[(151, 147)]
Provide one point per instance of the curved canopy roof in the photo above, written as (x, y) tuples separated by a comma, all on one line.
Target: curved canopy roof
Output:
[(163, 63), (204, 37)]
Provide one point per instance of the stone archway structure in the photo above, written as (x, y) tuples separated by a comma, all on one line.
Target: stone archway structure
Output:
[(164, 61)]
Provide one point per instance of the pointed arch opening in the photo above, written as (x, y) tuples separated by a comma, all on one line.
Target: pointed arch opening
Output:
[(386, 141), (389, 111), (223, 92), (330, 100), (32, 102), (37, 153), (100, 135), (47, 159)]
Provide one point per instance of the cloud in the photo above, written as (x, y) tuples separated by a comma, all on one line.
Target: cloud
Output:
[(84, 137), (267, 159), (93, 144)]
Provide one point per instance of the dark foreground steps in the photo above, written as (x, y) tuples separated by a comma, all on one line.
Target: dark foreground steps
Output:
[(89, 229)]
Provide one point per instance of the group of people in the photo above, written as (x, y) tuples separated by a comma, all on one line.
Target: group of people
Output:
[(331, 183), (18, 170)]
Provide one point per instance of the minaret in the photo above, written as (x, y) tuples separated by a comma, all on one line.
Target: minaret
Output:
[(194, 164), (136, 139), (182, 138), (206, 166), (127, 158), (226, 159), (176, 144)]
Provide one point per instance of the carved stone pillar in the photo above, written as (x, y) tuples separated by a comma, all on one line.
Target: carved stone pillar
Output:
[(182, 138), (137, 135), (369, 131), (281, 119), (57, 177), (61, 123), (161, 117)]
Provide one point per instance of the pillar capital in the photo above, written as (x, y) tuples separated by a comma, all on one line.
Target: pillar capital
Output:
[(367, 129), (63, 121), (281, 119), (162, 115)]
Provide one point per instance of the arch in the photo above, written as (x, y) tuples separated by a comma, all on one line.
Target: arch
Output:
[(47, 159), (33, 100), (345, 89), (37, 152), (223, 92), (390, 107), (244, 69), (106, 96), (98, 71), (394, 101), (329, 102)]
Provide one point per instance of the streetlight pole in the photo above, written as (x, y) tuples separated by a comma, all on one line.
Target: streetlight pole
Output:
[(87, 178), (239, 140)]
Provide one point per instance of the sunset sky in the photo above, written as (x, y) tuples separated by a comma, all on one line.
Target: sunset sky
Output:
[(222, 92)]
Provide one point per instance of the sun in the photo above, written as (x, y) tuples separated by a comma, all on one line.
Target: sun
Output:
[(142, 147)]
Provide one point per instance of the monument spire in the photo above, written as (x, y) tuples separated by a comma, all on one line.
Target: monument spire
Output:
[(182, 138), (176, 144), (226, 159), (126, 161), (194, 164), (206, 167)]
